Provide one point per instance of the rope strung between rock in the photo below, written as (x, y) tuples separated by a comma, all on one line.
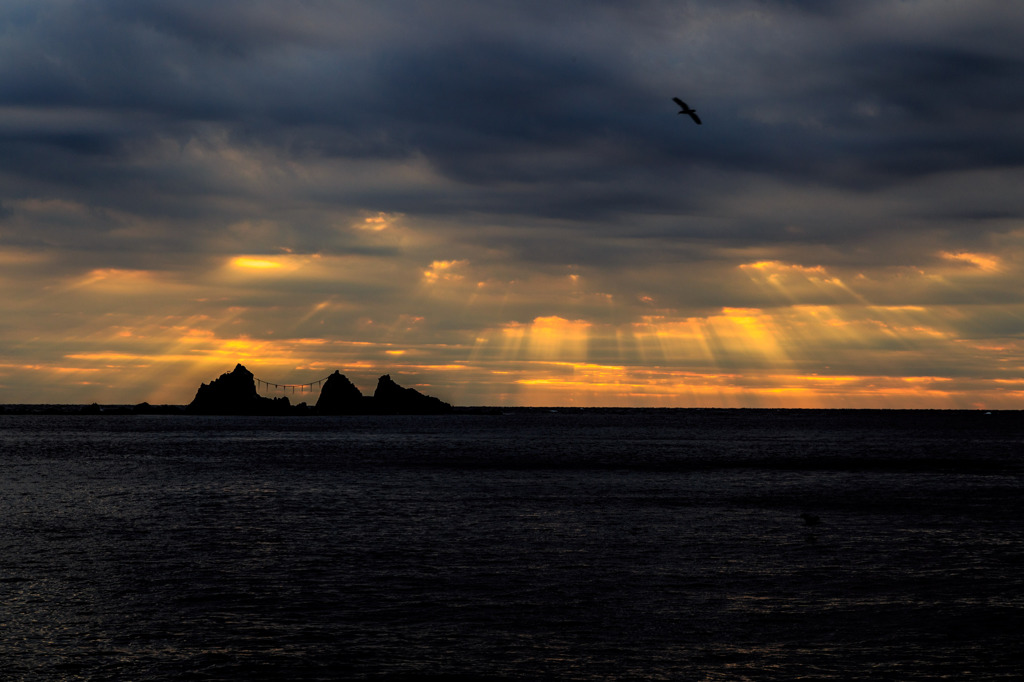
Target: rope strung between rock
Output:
[(303, 387)]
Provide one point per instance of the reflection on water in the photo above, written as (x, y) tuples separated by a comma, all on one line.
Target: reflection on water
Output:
[(593, 545)]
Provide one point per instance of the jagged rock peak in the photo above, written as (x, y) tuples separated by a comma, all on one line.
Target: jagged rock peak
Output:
[(234, 393), (390, 398), (339, 396)]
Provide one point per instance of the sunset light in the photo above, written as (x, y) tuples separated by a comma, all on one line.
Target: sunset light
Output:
[(255, 263), (797, 248), (656, 340)]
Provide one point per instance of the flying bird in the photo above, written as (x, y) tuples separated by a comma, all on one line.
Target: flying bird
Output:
[(687, 110)]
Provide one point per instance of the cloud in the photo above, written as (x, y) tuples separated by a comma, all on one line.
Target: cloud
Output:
[(479, 167)]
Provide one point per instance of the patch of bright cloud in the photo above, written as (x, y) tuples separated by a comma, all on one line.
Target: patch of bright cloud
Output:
[(444, 270), (250, 263), (378, 222), (117, 280), (984, 262)]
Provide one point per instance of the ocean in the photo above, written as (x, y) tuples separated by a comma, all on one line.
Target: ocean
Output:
[(532, 544)]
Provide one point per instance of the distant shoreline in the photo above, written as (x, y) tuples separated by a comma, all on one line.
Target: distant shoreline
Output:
[(147, 409)]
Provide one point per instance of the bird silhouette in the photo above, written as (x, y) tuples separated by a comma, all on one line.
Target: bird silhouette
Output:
[(687, 110)]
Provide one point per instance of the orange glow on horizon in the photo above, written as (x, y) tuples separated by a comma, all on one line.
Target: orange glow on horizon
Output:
[(625, 386), (801, 338)]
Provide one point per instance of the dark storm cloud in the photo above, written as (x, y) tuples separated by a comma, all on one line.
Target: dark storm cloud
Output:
[(942, 109), (528, 111)]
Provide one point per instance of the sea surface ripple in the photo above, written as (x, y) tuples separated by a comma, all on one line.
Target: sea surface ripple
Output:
[(570, 545)]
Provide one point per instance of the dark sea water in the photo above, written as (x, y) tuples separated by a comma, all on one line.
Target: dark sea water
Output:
[(583, 545)]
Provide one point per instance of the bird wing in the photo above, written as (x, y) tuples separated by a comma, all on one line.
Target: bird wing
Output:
[(680, 102), (693, 115)]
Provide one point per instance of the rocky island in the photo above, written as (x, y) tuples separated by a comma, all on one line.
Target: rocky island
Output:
[(234, 393)]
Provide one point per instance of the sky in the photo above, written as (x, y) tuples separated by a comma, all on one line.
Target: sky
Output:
[(497, 203)]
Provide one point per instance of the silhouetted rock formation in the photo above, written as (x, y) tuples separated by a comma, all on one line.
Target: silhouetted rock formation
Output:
[(235, 394), (390, 398), (340, 396)]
